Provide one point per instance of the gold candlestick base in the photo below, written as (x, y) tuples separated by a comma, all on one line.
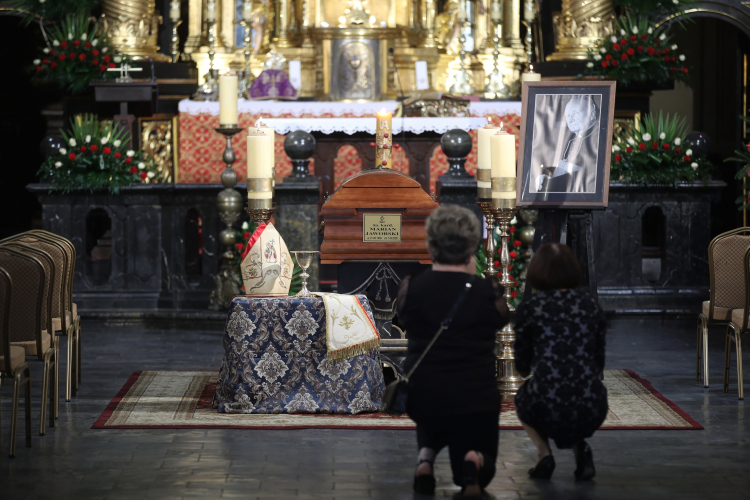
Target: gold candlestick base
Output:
[(260, 215)]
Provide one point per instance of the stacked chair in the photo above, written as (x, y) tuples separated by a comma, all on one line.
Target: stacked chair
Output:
[(36, 283)]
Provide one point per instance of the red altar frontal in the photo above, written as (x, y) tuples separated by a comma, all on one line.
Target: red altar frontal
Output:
[(201, 147)]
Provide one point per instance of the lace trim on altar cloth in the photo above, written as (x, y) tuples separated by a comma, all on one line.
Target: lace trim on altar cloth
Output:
[(352, 125)]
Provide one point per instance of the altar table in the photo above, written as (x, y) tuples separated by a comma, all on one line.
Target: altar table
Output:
[(275, 362), (201, 147)]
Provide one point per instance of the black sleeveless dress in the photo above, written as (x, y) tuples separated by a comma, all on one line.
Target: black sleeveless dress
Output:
[(560, 338)]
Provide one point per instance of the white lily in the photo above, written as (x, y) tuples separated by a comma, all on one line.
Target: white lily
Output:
[(70, 36), (631, 141), (45, 50), (676, 2), (635, 30), (55, 43), (94, 42), (646, 136), (615, 148), (37, 62), (603, 50), (245, 226), (104, 140), (88, 138), (614, 39), (623, 32), (650, 31), (662, 37), (674, 46), (84, 37), (117, 59), (104, 50)]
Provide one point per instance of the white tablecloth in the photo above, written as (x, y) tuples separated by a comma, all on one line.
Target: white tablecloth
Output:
[(351, 125)]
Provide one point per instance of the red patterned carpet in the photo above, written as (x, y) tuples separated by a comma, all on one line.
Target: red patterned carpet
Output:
[(182, 399)]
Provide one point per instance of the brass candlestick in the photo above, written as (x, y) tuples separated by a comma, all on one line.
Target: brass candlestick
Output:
[(508, 380), (229, 204), (209, 91), (175, 41), (489, 248), (463, 84), (248, 78), (495, 85), (260, 211)]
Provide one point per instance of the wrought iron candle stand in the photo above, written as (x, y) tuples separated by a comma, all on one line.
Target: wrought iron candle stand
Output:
[(508, 380), (229, 204), (489, 248)]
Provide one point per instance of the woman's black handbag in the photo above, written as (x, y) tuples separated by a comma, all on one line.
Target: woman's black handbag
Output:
[(396, 393)]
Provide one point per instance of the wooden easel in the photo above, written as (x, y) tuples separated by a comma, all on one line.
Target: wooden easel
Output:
[(572, 227)]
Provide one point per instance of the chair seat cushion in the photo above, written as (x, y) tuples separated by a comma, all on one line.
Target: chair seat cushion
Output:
[(720, 313), (30, 346), (57, 324), (17, 357)]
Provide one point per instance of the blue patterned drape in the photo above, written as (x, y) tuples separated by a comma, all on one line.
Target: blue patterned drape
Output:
[(275, 362)]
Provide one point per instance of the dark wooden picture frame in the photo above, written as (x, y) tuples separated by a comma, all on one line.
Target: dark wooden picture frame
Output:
[(599, 198)]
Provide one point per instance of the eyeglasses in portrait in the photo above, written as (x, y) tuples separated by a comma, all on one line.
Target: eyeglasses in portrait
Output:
[(565, 144)]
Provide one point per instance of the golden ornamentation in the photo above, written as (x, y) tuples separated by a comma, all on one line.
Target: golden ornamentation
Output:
[(579, 25), (346, 322), (447, 29), (133, 27), (356, 71), (159, 142), (438, 108)]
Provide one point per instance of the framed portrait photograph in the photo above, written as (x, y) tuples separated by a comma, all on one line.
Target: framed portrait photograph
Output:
[(565, 144)]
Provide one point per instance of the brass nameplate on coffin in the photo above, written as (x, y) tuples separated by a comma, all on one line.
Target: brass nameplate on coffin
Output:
[(381, 228)]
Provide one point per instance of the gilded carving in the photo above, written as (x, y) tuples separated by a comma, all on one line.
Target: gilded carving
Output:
[(356, 72), (579, 25), (158, 141)]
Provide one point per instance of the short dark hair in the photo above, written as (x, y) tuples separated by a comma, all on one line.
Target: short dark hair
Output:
[(452, 234), (553, 267)]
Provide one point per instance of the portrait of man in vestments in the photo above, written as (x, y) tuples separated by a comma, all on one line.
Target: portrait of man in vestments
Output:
[(565, 143)]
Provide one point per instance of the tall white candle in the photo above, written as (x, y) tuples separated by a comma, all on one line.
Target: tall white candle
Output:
[(530, 76), (269, 141), (228, 100), (247, 11), (503, 147), (528, 11), (484, 159), (259, 163), (211, 13), (174, 10), (496, 12)]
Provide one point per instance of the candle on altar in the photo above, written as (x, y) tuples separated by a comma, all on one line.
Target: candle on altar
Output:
[(247, 11), (259, 167), (174, 10), (530, 76), (211, 13), (484, 160), (528, 11), (503, 150), (270, 144), (228, 100), (384, 139), (496, 11)]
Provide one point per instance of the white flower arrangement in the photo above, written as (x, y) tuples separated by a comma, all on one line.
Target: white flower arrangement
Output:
[(689, 152), (72, 142), (116, 143), (58, 164), (694, 165), (682, 57), (589, 64), (63, 151), (635, 30), (141, 166), (646, 136), (662, 136), (677, 141), (130, 153), (597, 57)]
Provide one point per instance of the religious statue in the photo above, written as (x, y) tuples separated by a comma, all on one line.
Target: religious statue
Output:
[(447, 27), (260, 22)]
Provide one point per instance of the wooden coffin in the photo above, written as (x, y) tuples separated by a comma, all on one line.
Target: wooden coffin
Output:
[(372, 196)]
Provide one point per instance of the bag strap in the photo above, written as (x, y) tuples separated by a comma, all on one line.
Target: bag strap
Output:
[(446, 322)]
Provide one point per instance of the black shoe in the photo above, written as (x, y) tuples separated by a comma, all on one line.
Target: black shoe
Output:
[(584, 462), (543, 469), (471, 478), (425, 484)]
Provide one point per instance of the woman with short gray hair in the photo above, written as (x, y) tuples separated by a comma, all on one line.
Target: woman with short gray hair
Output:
[(453, 395)]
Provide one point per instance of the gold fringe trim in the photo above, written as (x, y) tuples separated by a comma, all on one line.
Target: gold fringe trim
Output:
[(353, 350)]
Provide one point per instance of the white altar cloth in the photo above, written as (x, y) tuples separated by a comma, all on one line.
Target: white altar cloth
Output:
[(352, 125)]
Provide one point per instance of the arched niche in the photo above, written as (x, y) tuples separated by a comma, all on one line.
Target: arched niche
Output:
[(653, 243)]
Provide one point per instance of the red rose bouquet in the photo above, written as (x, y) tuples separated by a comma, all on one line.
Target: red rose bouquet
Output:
[(96, 158)]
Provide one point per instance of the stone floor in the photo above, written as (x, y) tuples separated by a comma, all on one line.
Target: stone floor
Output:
[(74, 461)]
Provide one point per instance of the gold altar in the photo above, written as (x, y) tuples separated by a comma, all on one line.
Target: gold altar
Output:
[(351, 49)]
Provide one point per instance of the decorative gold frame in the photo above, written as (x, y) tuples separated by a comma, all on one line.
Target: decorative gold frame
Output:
[(169, 166)]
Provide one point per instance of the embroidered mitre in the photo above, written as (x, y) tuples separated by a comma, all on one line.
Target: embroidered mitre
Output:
[(266, 264)]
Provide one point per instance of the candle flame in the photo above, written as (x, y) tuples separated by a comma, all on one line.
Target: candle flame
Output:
[(531, 68), (383, 111), (259, 123), (501, 127), (489, 120)]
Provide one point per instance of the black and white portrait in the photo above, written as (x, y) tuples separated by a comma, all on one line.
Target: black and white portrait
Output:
[(564, 155)]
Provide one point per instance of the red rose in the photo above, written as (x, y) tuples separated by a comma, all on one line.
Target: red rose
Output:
[(629, 149), (517, 243), (38, 68), (640, 48), (605, 64), (106, 58), (87, 45), (631, 52), (643, 37), (45, 61), (102, 68), (677, 149), (513, 254), (667, 59), (650, 51), (82, 57), (608, 57), (657, 43), (134, 170), (64, 45), (686, 158), (666, 146), (515, 283), (514, 294), (94, 147), (52, 52), (94, 52), (510, 266), (623, 41), (62, 57), (614, 63), (143, 176), (72, 156), (672, 69), (111, 65), (246, 235), (633, 38), (618, 158), (685, 70), (72, 55), (654, 145), (658, 53), (510, 277), (117, 155), (624, 57), (642, 146), (666, 50), (53, 65), (106, 150), (83, 149), (76, 42), (95, 62), (616, 46), (512, 229), (239, 246), (128, 160), (496, 263)]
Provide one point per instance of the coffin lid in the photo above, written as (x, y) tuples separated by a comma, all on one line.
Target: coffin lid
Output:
[(412, 196)]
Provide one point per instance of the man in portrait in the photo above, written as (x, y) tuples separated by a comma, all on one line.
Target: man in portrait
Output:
[(565, 144)]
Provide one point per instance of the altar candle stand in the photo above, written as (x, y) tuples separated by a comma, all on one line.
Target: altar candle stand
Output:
[(260, 160), (503, 147), (384, 140), (484, 193), (531, 76), (174, 16)]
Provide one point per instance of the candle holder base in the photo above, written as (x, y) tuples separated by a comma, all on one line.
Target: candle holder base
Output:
[(508, 380), (489, 249), (260, 215)]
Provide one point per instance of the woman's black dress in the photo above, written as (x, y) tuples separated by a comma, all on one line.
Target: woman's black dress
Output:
[(560, 339), (453, 394)]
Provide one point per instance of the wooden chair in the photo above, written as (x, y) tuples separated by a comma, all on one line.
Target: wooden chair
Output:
[(725, 254), (45, 345), (74, 346), (21, 322), (62, 316), (737, 326)]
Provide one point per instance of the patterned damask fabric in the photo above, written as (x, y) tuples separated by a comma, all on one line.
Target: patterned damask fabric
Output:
[(275, 362), (729, 271), (201, 148)]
